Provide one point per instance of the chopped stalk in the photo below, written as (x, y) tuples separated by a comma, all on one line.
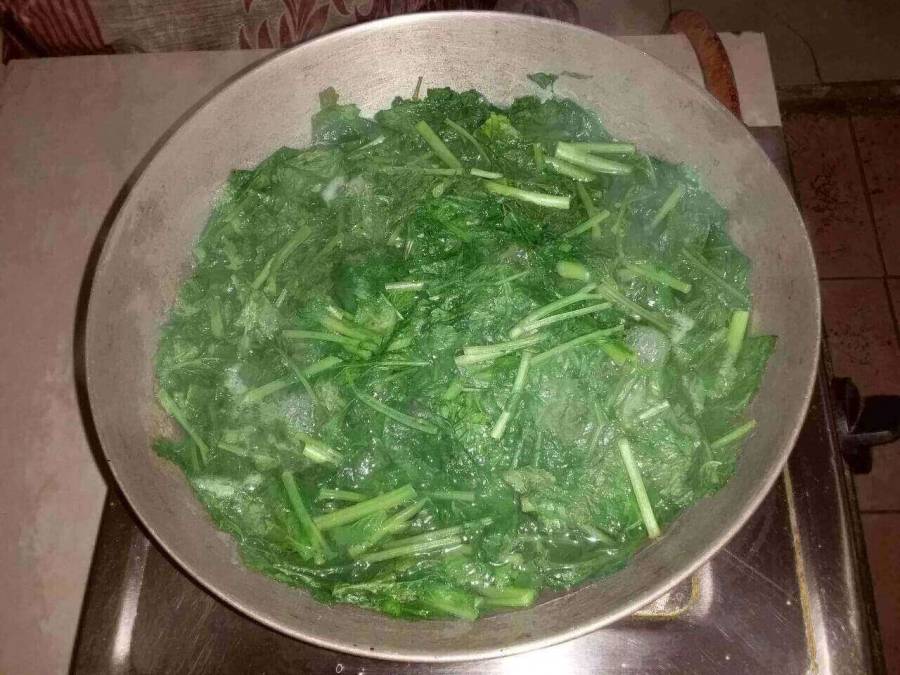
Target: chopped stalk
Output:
[(413, 550), (713, 275), (340, 496), (579, 296), (564, 168), (316, 335), (633, 308), (169, 405), (469, 137), (617, 351), (640, 492), (472, 355), (353, 331), (667, 206), (733, 436), (378, 140), (318, 451), (396, 415), (585, 198), (538, 157), (480, 173), (569, 153), (415, 96), (569, 269), (438, 534), (424, 170), (659, 275), (396, 523), (539, 198), (597, 335), (454, 390), (437, 145), (405, 286), (516, 393), (216, 325), (453, 602), (321, 366), (351, 514), (606, 148), (453, 496), (306, 522), (653, 411), (564, 316), (737, 329), (281, 255), (511, 596), (590, 223), (264, 391)]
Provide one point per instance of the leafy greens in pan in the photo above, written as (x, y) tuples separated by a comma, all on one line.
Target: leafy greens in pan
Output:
[(450, 356)]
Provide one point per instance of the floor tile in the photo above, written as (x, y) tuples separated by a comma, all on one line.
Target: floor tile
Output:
[(813, 39), (861, 334), (882, 532), (863, 346), (878, 135), (831, 194)]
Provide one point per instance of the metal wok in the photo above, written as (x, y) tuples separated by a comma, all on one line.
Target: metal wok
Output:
[(148, 252)]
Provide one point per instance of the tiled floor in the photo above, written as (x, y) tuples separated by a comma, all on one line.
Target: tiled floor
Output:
[(846, 164)]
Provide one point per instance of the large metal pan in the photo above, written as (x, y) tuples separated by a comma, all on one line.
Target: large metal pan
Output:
[(148, 250)]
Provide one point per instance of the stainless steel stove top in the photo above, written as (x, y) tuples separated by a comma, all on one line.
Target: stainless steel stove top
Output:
[(789, 594)]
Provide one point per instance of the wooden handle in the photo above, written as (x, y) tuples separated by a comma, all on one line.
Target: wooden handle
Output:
[(714, 62)]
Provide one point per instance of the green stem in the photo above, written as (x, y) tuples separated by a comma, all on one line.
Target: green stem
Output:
[(318, 451), (469, 137), (606, 148), (351, 514), (317, 335), (396, 415), (453, 496), (564, 168), (585, 198), (637, 486), (424, 170), (472, 355), (259, 393), (653, 411), (737, 329), (343, 328), (590, 223), (169, 405), (396, 523), (667, 206), (412, 550), (480, 173), (340, 496), (321, 366), (405, 286), (281, 255), (713, 275), (569, 153), (634, 309), (569, 269), (656, 274), (511, 596), (306, 522), (437, 145), (538, 157), (617, 351), (516, 393), (549, 308), (564, 316), (576, 342), (438, 534), (539, 198), (733, 436)]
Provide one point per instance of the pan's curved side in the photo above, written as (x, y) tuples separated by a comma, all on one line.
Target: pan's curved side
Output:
[(148, 249)]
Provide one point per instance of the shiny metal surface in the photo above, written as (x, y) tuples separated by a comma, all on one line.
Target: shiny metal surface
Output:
[(148, 252)]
